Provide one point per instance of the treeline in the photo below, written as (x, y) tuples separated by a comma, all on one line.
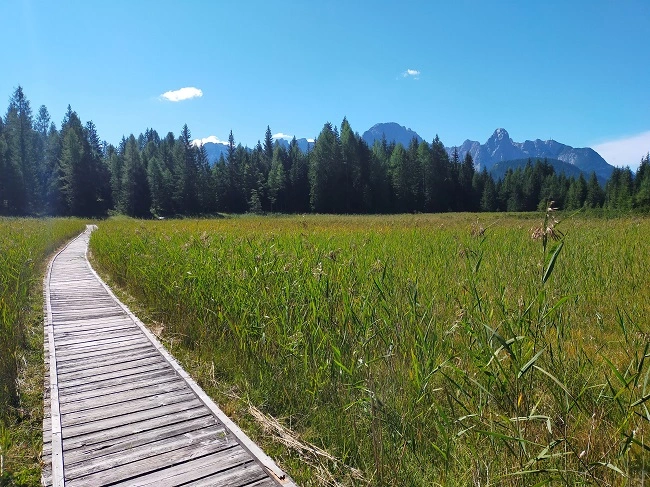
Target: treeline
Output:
[(69, 171)]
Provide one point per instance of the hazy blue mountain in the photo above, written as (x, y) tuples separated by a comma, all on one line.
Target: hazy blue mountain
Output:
[(303, 144), (500, 148), (215, 150), (394, 132)]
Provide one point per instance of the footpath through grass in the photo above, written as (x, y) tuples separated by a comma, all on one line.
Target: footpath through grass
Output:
[(418, 349), (24, 246)]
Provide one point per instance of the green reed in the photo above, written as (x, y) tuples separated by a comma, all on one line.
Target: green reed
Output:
[(420, 349)]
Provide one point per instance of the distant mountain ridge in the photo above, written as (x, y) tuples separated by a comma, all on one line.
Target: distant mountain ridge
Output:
[(216, 149), (492, 155), (500, 148), (393, 132)]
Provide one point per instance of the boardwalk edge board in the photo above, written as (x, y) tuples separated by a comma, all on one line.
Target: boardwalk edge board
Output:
[(58, 479)]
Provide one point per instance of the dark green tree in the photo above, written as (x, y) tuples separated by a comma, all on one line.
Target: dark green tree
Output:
[(324, 164), (595, 196), (135, 198)]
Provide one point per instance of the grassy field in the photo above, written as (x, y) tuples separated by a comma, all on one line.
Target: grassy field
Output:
[(24, 246), (415, 350)]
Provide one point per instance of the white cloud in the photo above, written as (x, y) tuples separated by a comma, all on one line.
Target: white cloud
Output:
[(280, 135), (186, 93), (311, 141), (411, 73), (212, 138), (625, 151)]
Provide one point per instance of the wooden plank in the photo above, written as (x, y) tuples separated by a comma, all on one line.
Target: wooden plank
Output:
[(71, 431), (106, 348), (91, 322), (114, 410), (73, 326), (85, 386), (129, 442), (104, 344), (101, 392), (221, 465), (102, 360), (116, 433), (116, 374), (123, 396), (98, 354), (241, 475), (99, 338), (138, 460), (117, 330), (94, 371)]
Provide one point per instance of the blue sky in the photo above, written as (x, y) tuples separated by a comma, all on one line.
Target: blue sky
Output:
[(576, 71)]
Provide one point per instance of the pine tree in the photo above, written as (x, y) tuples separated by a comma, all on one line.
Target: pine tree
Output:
[(642, 182), (277, 182), (489, 194), (324, 163), (350, 176), (465, 179), (268, 146), (595, 196), (40, 151), (17, 155), (299, 179), (135, 198), (72, 174)]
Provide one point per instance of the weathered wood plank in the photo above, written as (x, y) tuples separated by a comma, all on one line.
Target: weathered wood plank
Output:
[(243, 475), (116, 374), (220, 465), (114, 434), (94, 371), (102, 360), (85, 386), (122, 443), (123, 396), (121, 409), (101, 393), (71, 431), (99, 354), (105, 347), (96, 338), (96, 345), (139, 460)]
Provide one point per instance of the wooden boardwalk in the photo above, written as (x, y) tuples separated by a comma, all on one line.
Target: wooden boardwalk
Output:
[(119, 410)]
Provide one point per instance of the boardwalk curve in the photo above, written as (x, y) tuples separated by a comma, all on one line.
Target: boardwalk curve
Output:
[(119, 410)]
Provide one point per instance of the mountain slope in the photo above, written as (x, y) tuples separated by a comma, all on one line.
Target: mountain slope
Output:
[(393, 132), (500, 148), (498, 170)]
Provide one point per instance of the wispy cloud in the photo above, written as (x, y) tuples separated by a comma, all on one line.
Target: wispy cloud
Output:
[(280, 135), (411, 73), (186, 93), (625, 151), (212, 138)]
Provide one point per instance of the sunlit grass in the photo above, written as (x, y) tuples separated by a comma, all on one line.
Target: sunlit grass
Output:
[(415, 348)]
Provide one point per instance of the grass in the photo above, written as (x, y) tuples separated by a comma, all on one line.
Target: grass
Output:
[(24, 246), (420, 350)]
